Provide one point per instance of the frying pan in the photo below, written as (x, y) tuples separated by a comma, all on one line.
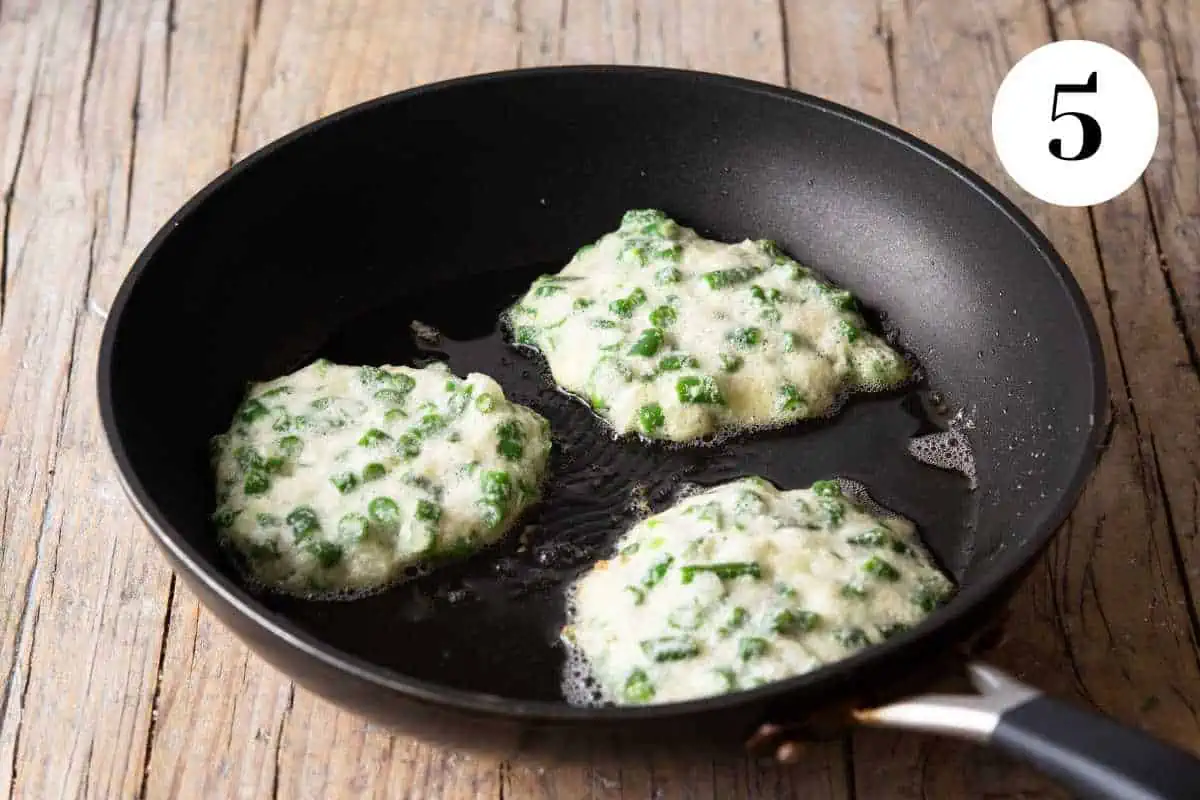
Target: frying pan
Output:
[(439, 205)]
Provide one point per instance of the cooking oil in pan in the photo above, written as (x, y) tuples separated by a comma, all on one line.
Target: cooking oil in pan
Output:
[(491, 623)]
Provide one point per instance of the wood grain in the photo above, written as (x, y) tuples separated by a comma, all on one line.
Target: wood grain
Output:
[(117, 684)]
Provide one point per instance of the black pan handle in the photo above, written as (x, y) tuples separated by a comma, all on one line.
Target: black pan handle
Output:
[(1090, 754)]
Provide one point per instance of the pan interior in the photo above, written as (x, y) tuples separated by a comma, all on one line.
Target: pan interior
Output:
[(441, 206)]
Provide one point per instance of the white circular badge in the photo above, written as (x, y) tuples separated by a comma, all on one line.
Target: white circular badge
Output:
[(1075, 123)]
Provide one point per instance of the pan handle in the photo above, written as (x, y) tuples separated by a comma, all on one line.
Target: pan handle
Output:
[(1089, 753)]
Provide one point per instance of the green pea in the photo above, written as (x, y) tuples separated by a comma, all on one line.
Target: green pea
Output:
[(327, 554), (353, 527), (651, 418), (344, 481), (698, 389), (408, 445), (485, 402), (731, 363), (497, 487), (638, 688), (752, 647), (373, 472), (848, 329), (373, 437), (290, 447), (428, 511), (745, 337), (384, 511), (394, 415), (663, 317), (852, 637), (648, 343), (224, 517), (788, 399), (431, 424), (303, 522), (256, 482), (670, 648)]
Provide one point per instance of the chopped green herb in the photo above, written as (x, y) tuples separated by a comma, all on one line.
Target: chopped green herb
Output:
[(724, 278), (252, 410), (657, 572), (827, 489), (303, 522), (675, 362), (663, 317), (752, 647), (848, 330), (853, 591), (698, 389), (670, 648), (726, 571), (795, 621), (789, 399), (651, 418), (648, 343), (344, 481), (881, 569), (625, 306), (731, 363), (384, 511), (872, 538)]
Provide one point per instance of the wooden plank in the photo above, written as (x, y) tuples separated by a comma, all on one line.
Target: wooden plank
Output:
[(82, 593), (1105, 619)]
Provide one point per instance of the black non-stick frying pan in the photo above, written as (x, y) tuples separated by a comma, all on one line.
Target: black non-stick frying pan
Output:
[(439, 205)]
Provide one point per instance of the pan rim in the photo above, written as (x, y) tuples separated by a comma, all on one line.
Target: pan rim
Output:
[(970, 598)]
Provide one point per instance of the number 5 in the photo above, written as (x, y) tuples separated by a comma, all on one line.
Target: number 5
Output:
[(1091, 128)]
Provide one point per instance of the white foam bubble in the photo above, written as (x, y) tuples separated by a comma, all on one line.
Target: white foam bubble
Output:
[(948, 450), (579, 685)]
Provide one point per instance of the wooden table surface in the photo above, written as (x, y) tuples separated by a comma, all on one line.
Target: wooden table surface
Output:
[(116, 684)]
